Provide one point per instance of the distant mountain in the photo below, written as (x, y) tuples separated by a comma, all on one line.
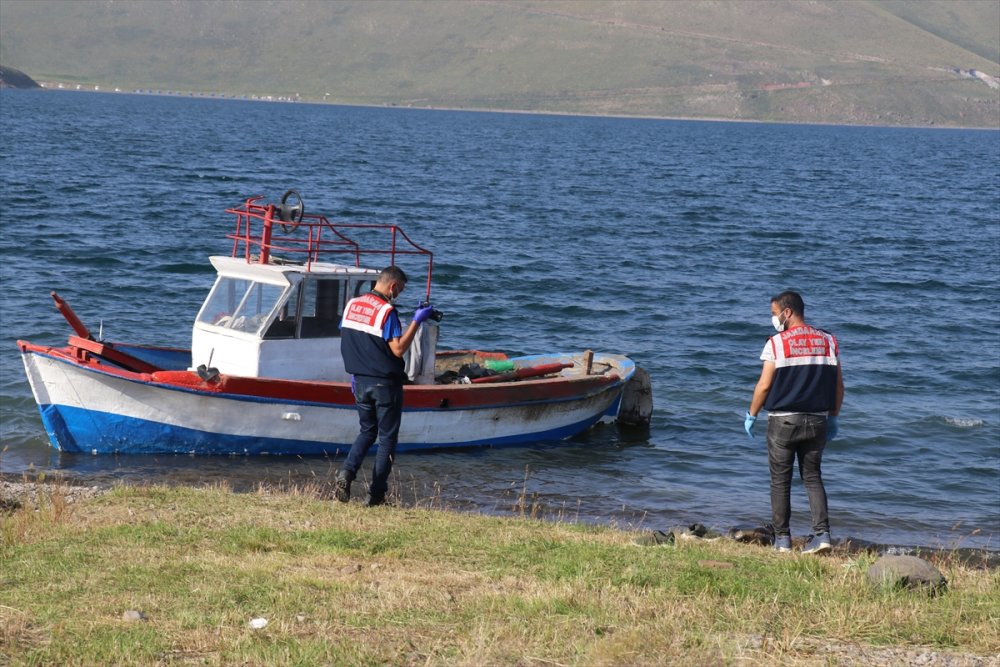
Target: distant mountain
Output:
[(14, 78), (895, 62)]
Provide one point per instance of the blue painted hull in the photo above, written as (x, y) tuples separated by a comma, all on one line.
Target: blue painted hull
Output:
[(87, 431)]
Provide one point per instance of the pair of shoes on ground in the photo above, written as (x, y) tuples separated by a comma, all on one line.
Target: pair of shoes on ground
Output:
[(814, 545)]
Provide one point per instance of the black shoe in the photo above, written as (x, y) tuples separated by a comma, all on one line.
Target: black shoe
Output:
[(374, 501), (342, 489)]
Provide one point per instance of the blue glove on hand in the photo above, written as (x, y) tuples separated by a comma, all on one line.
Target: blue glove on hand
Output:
[(423, 313), (748, 423), (831, 428)]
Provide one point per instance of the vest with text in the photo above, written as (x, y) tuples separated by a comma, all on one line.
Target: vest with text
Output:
[(362, 342), (805, 377)]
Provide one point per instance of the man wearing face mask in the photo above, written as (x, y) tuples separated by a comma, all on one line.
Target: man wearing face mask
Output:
[(802, 388), (372, 342)]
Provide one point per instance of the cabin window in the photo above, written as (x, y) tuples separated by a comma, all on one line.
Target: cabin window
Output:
[(362, 287), (322, 306), (226, 296), (287, 320), (311, 309), (240, 304)]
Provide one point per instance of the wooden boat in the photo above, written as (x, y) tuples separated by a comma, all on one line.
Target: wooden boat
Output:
[(264, 373)]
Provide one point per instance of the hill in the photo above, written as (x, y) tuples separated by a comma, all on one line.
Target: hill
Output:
[(866, 61), (12, 78)]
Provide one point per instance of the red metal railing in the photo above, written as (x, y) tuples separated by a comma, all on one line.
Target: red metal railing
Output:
[(313, 238)]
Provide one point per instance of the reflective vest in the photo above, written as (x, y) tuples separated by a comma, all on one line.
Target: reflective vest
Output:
[(805, 376), (362, 344)]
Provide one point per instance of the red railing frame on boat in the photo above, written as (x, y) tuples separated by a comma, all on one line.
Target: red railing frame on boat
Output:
[(314, 246)]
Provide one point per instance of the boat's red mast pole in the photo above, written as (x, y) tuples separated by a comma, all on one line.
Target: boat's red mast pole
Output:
[(265, 245)]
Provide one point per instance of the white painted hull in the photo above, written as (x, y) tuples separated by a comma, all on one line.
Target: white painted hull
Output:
[(88, 410)]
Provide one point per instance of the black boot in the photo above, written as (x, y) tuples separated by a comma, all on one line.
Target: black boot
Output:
[(342, 489)]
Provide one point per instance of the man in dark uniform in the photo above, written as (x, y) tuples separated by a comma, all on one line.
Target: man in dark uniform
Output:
[(372, 342), (802, 388)]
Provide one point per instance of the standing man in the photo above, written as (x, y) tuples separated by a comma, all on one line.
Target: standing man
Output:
[(372, 342), (801, 387)]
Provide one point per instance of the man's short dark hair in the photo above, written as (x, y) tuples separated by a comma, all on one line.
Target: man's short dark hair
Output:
[(790, 299), (394, 274)]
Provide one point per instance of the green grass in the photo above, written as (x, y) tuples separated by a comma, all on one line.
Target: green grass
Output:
[(342, 584)]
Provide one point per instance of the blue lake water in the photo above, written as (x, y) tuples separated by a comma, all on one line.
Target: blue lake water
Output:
[(660, 239)]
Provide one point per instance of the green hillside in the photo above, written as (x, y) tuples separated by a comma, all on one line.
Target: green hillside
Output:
[(862, 61)]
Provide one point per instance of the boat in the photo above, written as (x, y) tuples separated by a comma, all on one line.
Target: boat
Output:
[(264, 374)]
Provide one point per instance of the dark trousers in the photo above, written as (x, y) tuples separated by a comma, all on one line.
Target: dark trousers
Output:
[(380, 410), (788, 437)]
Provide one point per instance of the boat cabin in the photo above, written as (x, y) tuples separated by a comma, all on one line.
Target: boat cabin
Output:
[(279, 321), (269, 317)]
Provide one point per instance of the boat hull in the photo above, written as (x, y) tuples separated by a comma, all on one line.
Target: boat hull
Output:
[(91, 407)]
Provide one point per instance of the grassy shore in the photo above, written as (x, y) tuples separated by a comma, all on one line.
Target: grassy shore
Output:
[(346, 585)]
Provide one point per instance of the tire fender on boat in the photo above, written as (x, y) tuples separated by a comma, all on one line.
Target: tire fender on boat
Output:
[(637, 400)]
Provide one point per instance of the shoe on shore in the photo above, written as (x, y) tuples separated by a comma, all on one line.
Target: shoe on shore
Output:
[(783, 543), (817, 544), (342, 488), (374, 501)]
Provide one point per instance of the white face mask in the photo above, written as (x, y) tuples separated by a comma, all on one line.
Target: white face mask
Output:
[(778, 324)]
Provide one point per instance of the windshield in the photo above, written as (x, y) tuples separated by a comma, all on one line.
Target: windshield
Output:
[(240, 304)]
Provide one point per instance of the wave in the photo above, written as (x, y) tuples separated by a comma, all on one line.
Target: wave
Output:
[(964, 422), (657, 249), (185, 268), (926, 285)]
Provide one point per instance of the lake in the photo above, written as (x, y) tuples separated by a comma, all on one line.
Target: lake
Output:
[(660, 239)]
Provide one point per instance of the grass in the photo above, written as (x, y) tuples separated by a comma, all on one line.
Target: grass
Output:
[(342, 584)]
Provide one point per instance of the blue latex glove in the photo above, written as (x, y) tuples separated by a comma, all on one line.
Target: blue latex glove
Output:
[(832, 426), (748, 423), (423, 314)]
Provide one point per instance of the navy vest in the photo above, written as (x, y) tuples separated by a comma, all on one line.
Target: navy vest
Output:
[(362, 346), (805, 374)]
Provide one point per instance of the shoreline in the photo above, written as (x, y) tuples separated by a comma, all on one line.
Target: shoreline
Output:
[(62, 86), (144, 575), (16, 491)]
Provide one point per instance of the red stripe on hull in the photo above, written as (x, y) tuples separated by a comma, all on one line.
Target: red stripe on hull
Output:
[(451, 396)]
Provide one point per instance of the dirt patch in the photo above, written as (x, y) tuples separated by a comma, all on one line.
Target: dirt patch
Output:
[(15, 495), (807, 651)]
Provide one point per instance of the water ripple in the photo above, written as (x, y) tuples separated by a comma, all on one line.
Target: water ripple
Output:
[(660, 239)]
